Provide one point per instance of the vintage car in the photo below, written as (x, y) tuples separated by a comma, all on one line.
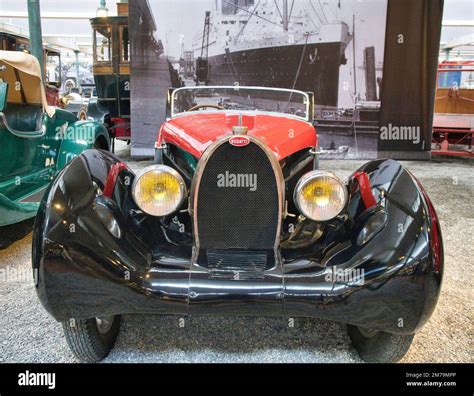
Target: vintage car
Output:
[(37, 140), (237, 218)]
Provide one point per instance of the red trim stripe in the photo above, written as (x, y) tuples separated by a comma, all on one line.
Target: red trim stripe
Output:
[(112, 177), (365, 189)]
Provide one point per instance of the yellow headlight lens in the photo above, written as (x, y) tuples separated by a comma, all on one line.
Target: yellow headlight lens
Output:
[(320, 195), (159, 190)]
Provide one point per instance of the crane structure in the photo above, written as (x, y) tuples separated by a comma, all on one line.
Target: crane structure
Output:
[(202, 63)]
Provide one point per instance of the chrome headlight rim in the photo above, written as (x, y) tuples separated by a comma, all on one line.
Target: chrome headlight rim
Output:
[(315, 174), (163, 168)]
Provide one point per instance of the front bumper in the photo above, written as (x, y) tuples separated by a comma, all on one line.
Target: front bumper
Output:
[(82, 271)]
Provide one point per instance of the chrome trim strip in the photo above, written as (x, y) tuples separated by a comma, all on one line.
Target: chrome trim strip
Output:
[(280, 181), (244, 88), (237, 112)]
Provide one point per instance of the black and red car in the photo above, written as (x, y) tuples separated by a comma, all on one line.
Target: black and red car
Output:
[(236, 218)]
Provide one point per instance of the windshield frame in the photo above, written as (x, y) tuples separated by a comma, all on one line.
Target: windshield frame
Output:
[(309, 98)]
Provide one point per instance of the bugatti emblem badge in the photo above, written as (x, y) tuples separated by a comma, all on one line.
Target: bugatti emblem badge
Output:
[(239, 141)]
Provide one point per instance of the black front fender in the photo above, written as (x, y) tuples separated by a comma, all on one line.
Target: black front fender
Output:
[(73, 253), (403, 263)]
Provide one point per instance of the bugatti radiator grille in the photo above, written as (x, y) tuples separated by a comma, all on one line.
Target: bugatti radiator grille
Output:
[(237, 203), (227, 264)]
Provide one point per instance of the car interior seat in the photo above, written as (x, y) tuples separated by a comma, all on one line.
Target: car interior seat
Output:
[(24, 117)]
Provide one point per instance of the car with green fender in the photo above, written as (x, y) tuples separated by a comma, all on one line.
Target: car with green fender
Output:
[(36, 140)]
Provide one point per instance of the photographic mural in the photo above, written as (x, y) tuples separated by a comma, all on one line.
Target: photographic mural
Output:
[(332, 48)]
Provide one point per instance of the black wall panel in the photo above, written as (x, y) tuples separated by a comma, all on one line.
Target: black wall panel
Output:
[(409, 76)]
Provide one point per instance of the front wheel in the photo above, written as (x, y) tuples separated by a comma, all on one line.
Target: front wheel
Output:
[(377, 346), (91, 340)]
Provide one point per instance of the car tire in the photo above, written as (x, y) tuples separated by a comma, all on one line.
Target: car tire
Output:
[(378, 346), (91, 340), (101, 144)]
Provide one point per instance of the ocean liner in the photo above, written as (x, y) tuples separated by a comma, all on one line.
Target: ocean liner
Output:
[(298, 44)]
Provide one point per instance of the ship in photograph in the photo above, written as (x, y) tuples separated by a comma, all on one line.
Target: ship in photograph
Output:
[(284, 44)]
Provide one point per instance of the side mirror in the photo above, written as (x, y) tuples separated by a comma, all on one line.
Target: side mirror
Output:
[(3, 95)]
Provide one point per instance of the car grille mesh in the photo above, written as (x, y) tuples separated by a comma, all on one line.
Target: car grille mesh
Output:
[(236, 217), (237, 265)]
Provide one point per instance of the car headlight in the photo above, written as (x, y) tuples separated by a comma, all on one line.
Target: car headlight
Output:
[(320, 195), (159, 190)]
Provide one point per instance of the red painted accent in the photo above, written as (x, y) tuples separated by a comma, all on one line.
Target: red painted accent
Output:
[(436, 243), (195, 132), (446, 136), (52, 96), (239, 141), (122, 132), (365, 189), (454, 153), (112, 177)]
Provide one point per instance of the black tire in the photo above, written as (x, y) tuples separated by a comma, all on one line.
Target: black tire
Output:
[(85, 340), (378, 346), (101, 144)]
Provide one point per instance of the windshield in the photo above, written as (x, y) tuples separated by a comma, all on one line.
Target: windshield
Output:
[(237, 98)]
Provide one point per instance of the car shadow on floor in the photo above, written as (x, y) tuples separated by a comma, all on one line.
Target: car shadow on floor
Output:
[(170, 338), (12, 233)]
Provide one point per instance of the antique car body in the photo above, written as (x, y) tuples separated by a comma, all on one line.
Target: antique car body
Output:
[(37, 140), (12, 40), (239, 251)]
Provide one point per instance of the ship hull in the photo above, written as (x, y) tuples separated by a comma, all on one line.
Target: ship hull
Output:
[(311, 67)]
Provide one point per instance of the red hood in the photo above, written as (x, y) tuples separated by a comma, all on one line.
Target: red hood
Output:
[(195, 132)]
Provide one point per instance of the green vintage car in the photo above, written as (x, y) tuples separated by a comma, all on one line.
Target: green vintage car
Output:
[(36, 140)]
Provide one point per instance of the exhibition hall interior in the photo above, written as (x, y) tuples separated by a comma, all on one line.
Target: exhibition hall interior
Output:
[(236, 181)]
